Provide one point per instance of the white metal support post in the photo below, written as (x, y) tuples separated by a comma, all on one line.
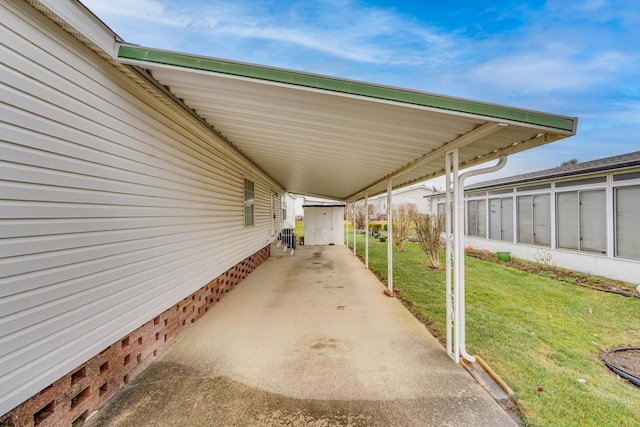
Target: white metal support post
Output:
[(346, 234), (389, 238), (502, 161), (458, 266), (366, 229), (455, 274), (354, 228), (451, 158)]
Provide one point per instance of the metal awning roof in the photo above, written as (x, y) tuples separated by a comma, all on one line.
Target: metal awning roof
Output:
[(335, 138)]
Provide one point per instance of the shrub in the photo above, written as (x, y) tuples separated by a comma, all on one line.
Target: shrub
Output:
[(402, 221), (429, 229), (375, 228)]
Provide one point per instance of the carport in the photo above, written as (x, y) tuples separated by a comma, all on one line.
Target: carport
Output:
[(305, 340), (140, 186), (347, 140)]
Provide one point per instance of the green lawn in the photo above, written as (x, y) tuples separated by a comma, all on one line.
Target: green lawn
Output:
[(535, 332), (299, 229)]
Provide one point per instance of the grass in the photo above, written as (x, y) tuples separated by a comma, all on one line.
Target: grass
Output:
[(299, 229), (540, 335)]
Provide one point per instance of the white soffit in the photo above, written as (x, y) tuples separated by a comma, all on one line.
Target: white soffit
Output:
[(335, 138)]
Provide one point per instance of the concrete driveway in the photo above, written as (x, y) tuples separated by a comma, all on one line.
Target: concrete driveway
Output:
[(305, 340)]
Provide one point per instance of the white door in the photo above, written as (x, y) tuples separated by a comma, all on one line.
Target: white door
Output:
[(323, 226)]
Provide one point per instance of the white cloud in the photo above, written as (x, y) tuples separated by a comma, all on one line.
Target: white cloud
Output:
[(548, 71), (344, 30), (139, 10), (573, 57)]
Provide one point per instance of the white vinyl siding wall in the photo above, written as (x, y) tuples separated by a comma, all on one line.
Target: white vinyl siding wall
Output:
[(112, 209)]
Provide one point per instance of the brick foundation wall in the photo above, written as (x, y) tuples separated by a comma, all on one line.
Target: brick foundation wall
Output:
[(74, 397)]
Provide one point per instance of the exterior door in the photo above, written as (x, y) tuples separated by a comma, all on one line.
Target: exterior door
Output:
[(323, 226)]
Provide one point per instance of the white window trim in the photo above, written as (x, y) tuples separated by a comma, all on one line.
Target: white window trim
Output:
[(248, 202)]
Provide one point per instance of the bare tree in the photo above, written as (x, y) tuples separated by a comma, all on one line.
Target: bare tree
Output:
[(360, 214), (402, 221), (429, 229)]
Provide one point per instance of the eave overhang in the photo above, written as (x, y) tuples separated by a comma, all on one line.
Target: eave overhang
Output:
[(337, 138)]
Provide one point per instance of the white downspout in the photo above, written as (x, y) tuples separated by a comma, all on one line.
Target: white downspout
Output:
[(459, 248)]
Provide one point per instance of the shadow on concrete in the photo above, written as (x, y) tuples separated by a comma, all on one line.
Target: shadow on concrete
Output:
[(305, 340)]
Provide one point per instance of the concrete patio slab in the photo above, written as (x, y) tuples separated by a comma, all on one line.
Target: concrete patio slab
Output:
[(308, 340)]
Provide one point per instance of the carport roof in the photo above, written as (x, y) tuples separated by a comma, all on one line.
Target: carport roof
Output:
[(336, 138)]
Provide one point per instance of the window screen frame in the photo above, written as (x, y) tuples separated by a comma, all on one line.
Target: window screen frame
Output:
[(249, 202), (581, 221), (502, 217), (617, 226), (477, 218), (538, 228)]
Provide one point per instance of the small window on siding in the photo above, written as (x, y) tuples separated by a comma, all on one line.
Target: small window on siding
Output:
[(628, 222), (249, 202), (625, 176)]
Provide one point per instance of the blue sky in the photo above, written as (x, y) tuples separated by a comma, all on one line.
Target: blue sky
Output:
[(575, 58)]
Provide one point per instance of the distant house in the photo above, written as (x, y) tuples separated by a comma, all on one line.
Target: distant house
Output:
[(417, 195), (582, 216), (288, 205)]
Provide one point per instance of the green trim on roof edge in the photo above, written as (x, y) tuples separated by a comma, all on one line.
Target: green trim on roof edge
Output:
[(131, 52)]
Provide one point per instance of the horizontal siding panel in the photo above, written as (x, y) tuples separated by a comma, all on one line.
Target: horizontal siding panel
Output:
[(45, 244), (97, 127), (21, 192), (113, 207), (113, 106), (64, 265), (94, 162), (19, 209), (45, 307), (12, 172), (56, 226), (52, 332)]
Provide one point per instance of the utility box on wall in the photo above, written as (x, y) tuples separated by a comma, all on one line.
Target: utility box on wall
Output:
[(323, 225)]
